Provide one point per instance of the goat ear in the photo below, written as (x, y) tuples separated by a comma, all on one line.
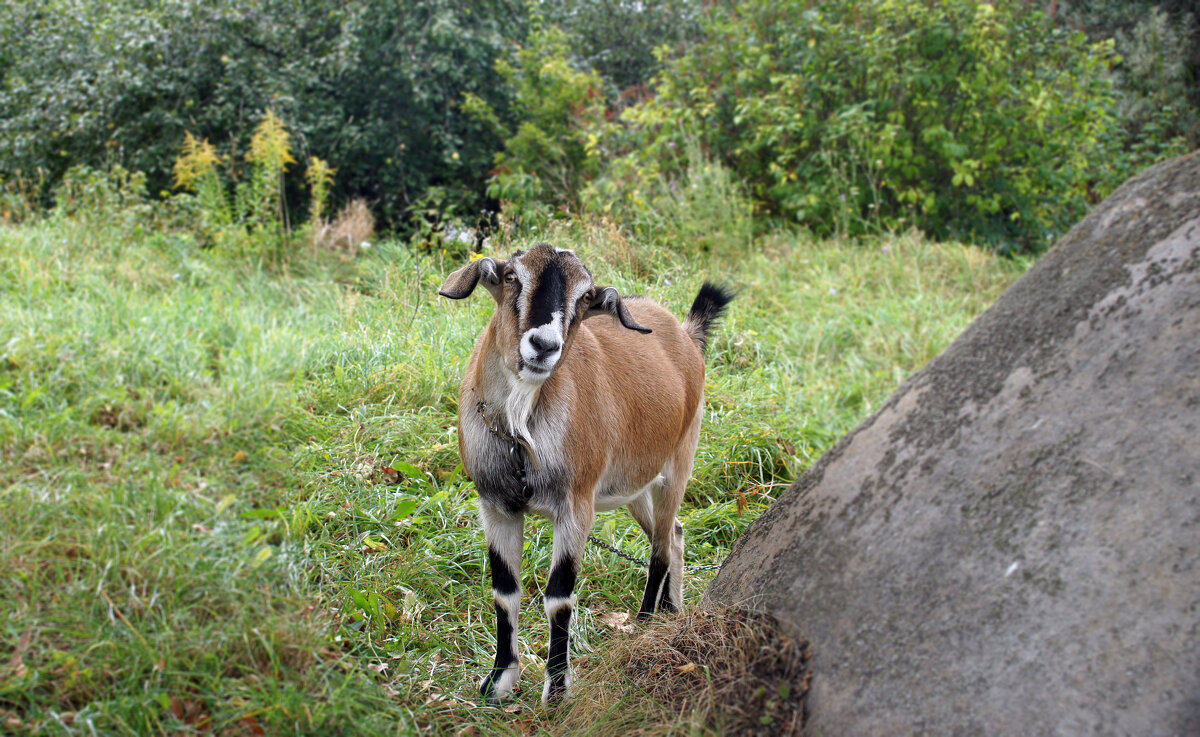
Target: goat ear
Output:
[(461, 283), (607, 301)]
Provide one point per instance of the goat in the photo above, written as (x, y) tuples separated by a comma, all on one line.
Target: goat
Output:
[(564, 416)]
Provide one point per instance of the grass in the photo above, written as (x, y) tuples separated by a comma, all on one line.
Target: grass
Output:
[(230, 499)]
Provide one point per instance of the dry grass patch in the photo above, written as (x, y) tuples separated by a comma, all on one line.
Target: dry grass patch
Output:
[(353, 225), (724, 671)]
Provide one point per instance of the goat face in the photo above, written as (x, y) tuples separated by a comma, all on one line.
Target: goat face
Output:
[(542, 295)]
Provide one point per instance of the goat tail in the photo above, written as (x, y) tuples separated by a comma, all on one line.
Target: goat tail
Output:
[(707, 309)]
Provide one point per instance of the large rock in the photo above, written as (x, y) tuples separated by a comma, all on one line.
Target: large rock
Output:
[(1009, 545)]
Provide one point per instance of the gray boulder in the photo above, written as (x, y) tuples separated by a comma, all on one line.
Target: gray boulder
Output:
[(1009, 545)]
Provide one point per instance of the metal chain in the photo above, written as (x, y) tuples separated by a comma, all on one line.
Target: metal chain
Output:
[(645, 563)]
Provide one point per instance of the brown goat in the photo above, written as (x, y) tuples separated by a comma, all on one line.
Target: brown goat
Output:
[(562, 415)]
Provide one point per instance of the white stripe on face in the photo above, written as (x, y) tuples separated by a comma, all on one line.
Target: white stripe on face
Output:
[(577, 291)]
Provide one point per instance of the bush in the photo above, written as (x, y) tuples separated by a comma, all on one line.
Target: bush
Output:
[(253, 217), (371, 86), (696, 205), (617, 38), (966, 120), (546, 158), (1158, 79)]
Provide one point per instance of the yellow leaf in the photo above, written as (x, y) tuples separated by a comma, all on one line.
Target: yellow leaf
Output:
[(260, 557), (686, 667)]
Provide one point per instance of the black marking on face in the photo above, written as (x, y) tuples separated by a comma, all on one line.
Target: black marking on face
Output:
[(562, 579), (557, 662), (549, 296), (503, 580)]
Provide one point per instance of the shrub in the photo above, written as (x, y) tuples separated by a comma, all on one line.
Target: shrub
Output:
[(372, 86), (254, 219), (1157, 117), (964, 119), (546, 158), (694, 205), (617, 38)]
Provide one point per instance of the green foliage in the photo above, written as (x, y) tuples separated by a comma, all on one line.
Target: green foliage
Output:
[(261, 196), (546, 159), (617, 38), (320, 178), (255, 218), (371, 86), (1159, 105), (1159, 45), (693, 204), (20, 195), (959, 118)]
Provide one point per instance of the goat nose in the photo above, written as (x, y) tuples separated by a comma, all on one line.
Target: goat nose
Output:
[(543, 345)]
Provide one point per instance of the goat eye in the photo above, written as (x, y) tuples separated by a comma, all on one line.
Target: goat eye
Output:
[(510, 277)]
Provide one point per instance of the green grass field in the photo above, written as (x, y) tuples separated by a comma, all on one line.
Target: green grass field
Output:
[(230, 498)]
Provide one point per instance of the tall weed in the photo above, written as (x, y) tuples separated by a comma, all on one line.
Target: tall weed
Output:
[(250, 216)]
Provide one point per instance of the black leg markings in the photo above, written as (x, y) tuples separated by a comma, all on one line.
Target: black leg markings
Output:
[(562, 580), (506, 656), (654, 583), (559, 588), (665, 604), (557, 662), (503, 580)]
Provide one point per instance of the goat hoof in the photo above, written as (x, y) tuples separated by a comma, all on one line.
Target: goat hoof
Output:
[(497, 685)]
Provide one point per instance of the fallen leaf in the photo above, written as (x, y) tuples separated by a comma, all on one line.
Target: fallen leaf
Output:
[(686, 667), (617, 620), (390, 475), (514, 708), (202, 529), (371, 545), (250, 723), (190, 712), (240, 456), (379, 668)]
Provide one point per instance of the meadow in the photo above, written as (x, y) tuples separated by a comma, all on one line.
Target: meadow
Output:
[(230, 495)]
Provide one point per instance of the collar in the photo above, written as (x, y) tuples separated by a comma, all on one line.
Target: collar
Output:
[(515, 442)]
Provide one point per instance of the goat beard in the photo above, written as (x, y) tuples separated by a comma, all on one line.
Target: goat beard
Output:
[(518, 408)]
